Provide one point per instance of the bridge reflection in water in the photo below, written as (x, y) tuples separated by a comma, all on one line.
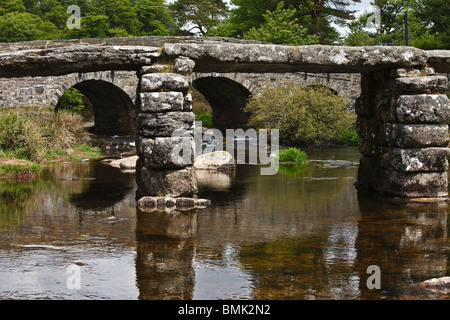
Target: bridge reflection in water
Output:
[(309, 236)]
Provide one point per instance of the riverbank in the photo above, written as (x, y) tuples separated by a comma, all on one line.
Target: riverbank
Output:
[(30, 139)]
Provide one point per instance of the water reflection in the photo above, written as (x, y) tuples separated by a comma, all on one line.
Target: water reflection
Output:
[(307, 235), (165, 253)]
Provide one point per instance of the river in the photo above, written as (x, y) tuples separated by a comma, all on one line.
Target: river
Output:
[(304, 233)]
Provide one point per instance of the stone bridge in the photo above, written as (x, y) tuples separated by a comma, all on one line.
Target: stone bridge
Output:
[(402, 109), (113, 93)]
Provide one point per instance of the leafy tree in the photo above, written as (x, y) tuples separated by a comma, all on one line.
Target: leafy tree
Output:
[(7, 6), (199, 16), (23, 26), (281, 27), (155, 18), (427, 24), (316, 16)]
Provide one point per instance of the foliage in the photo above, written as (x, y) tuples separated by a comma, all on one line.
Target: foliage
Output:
[(292, 155), (281, 27), (427, 25), (205, 118), (71, 100), (349, 137), (316, 16), (23, 26), (24, 20), (37, 137), (304, 115), (199, 15)]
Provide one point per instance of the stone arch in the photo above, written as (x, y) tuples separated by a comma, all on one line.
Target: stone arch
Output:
[(113, 108), (227, 98)]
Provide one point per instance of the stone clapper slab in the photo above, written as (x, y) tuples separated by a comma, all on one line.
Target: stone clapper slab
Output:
[(166, 153), (75, 59), (231, 57)]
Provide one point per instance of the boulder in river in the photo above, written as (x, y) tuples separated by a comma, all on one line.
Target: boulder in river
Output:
[(217, 160)]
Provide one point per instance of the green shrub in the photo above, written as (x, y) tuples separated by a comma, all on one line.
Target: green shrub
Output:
[(304, 115), (350, 137), (292, 155), (205, 118), (71, 100)]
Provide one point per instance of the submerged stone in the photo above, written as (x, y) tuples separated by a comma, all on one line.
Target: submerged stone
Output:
[(168, 204)]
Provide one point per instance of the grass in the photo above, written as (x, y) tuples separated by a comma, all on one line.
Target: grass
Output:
[(36, 138)]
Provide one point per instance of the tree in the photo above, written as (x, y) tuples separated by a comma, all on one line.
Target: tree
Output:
[(281, 27), (316, 16), (23, 26), (155, 18), (199, 16), (427, 24)]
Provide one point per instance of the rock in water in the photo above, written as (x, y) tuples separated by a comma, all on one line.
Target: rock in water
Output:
[(217, 160)]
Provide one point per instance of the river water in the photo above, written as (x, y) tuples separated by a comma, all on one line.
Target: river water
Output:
[(304, 233)]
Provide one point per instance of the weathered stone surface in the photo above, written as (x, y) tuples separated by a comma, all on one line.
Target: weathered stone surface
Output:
[(188, 103), (418, 160), (416, 85), (172, 183), (164, 124), (423, 108), (74, 59), (402, 135), (411, 160), (217, 160), (160, 101), (228, 57), (440, 60), (155, 68), (125, 163), (164, 81), (169, 204), (401, 184), (404, 72), (166, 153), (184, 65)]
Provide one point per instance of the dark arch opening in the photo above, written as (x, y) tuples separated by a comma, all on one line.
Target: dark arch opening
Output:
[(113, 108), (227, 99)]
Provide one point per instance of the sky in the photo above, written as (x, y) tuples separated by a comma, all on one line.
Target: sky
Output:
[(360, 8)]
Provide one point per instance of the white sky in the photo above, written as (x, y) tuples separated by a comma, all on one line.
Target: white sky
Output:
[(360, 8)]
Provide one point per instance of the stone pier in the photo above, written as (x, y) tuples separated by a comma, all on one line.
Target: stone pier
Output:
[(164, 110), (402, 120)]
